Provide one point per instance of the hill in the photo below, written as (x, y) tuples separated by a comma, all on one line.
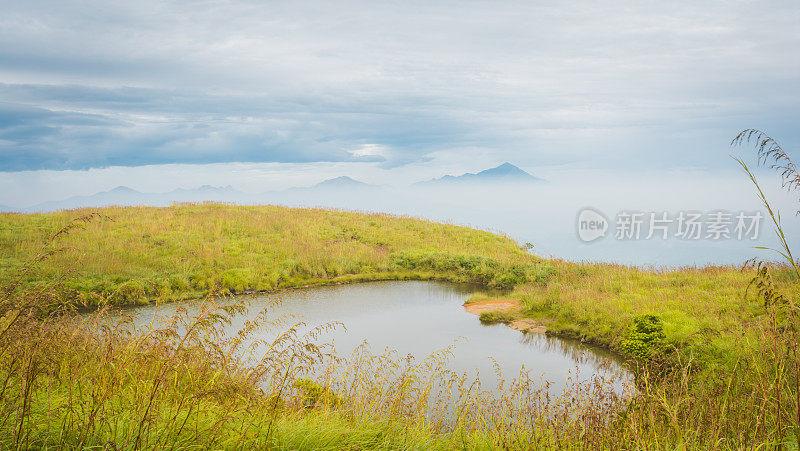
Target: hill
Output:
[(254, 248)]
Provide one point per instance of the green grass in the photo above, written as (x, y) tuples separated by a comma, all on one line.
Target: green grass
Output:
[(140, 254), (704, 346), (496, 317)]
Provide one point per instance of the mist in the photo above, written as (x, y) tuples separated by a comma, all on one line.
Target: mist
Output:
[(542, 213)]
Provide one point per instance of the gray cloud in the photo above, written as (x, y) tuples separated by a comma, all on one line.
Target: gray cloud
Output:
[(95, 84)]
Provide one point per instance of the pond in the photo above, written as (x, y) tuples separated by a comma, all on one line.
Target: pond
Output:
[(422, 317)]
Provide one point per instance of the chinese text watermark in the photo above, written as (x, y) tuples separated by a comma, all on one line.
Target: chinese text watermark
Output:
[(682, 225)]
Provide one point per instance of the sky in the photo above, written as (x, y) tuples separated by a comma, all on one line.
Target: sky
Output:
[(264, 95)]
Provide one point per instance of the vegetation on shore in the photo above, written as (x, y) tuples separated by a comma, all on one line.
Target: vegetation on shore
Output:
[(496, 316), (715, 349)]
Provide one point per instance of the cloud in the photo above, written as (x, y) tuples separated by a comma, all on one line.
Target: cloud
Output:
[(36, 138), (96, 84)]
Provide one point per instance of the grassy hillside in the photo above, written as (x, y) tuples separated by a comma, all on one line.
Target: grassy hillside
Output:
[(709, 352), (132, 255)]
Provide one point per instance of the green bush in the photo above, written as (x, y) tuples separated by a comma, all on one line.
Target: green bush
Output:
[(543, 273), (645, 338), (510, 278)]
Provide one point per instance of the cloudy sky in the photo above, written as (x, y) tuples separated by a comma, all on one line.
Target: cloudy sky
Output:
[(264, 94)]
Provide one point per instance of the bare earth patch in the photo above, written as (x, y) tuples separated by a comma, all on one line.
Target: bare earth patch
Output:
[(527, 325), (493, 305)]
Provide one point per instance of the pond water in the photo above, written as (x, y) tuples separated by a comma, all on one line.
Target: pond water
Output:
[(419, 318)]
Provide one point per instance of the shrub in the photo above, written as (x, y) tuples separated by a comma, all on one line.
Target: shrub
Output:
[(645, 338), (543, 274), (510, 278)]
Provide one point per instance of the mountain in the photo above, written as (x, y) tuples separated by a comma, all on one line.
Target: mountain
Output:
[(342, 182), (505, 173), (322, 193), (339, 183), (124, 196), (339, 192), (7, 209), (203, 194), (121, 195)]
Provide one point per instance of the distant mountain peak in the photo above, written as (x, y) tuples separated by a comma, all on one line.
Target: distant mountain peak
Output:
[(122, 189), (506, 172), (123, 195), (213, 188), (342, 181), (508, 165)]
